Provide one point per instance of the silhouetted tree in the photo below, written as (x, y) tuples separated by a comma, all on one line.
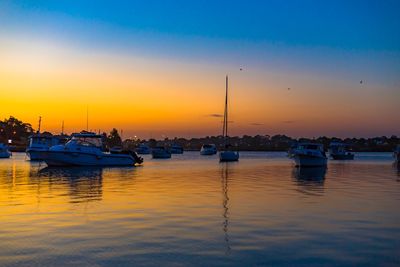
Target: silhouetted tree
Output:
[(14, 129)]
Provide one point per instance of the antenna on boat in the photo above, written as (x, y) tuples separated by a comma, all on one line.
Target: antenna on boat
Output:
[(40, 121), (62, 128), (87, 118)]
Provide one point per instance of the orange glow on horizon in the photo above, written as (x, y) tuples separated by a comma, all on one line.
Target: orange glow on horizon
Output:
[(158, 96)]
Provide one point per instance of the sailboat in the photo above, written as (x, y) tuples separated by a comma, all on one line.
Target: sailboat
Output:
[(227, 154)]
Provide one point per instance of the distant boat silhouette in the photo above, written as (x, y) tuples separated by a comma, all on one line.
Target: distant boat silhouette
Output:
[(338, 151), (4, 153), (208, 149), (309, 155), (161, 152), (143, 149), (176, 149)]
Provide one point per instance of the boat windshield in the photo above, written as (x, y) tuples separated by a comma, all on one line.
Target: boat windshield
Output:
[(310, 146), (86, 141), (40, 140)]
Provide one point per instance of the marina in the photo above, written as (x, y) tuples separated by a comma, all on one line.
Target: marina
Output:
[(199, 133)]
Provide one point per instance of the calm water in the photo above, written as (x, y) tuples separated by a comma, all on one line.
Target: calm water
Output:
[(193, 211)]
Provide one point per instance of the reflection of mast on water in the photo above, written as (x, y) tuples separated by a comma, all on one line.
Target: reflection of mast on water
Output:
[(225, 214)]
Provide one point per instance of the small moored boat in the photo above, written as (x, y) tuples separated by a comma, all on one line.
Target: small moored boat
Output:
[(176, 149), (39, 143), (209, 149), (143, 149), (310, 155), (338, 151), (161, 152)]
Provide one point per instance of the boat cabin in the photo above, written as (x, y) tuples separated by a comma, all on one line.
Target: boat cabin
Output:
[(338, 148), (39, 140), (310, 146), (86, 139)]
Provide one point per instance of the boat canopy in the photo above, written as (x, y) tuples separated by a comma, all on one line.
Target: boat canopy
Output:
[(87, 140), (41, 136), (312, 146)]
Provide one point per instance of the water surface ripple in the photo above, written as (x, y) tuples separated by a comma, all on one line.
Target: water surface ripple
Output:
[(194, 211)]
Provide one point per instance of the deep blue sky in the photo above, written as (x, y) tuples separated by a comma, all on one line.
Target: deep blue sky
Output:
[(340, 24)]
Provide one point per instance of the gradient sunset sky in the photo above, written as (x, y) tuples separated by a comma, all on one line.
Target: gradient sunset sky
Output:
[(157, 68)]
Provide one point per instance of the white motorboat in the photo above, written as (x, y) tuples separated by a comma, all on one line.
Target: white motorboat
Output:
[(310, 155), (338, 151), (161, 152), (176, 149), (396, 154), (208, 149), (86, 149), (227, 154), (4, 152), (143, 149), (39, 143)]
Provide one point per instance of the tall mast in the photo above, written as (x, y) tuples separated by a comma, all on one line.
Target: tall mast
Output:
[(40, 120), (223, 126), (87, 118), (62, 128), (226, 107)]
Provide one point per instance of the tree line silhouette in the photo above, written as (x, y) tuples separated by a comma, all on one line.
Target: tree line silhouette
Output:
[(18, 132)]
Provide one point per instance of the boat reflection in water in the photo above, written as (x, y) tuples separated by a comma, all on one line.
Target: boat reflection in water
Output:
[(84, 183), (310, 179), (225, 204), (396, 167)]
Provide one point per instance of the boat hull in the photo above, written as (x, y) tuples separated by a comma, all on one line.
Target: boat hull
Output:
[(36, 155), (225, 156), (309, 161), (342, 156), (207, 152), (66, 158), (5, 155)]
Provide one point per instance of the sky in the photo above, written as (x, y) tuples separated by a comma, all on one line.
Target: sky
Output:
[(157, 68)]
